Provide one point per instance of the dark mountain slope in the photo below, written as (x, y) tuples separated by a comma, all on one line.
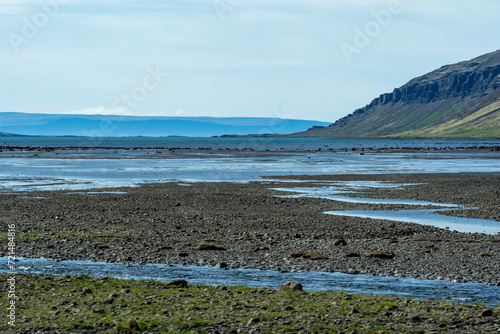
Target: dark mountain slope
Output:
[(451, 93)]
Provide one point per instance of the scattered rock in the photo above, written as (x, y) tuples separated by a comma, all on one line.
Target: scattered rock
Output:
[(222, 265), (132, 324), (308, 255), (293, 286), (180, 283), (352, 271), (160, 248), (211, 240), (296, 255), (109, 300), (314, 256), (210, 247), (380, 255), (351, 254), (340, 242), (487, 313), (87, 290)]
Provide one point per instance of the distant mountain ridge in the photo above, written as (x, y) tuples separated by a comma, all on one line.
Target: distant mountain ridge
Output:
[(459, 100), (4, 134), (111, 125)]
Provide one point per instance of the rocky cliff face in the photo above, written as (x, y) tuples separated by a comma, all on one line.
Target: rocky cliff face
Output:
[(451, 85), (433, 98)]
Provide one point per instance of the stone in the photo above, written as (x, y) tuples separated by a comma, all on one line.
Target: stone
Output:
[(314, 256), (180, 283), (487, 313), (183, 255), (109, 300), (340, 242), (87, 290), (293, 286), (308, 255), (252, 321), (351, 254), (132, 324), (352, 271), (380, 255), (296, 255), (222, 265)]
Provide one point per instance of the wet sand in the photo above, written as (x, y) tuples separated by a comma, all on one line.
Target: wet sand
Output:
[(164, 223)]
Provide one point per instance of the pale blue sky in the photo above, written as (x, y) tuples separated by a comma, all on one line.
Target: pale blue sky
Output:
[(274, 58)]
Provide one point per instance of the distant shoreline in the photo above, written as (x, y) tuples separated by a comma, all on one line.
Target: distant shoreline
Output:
[(265, 136)]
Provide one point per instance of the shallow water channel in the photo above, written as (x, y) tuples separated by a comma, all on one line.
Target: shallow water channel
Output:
[(312, 281), (336, 191)]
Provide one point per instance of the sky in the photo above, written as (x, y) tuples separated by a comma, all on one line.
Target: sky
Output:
[(301, 59)]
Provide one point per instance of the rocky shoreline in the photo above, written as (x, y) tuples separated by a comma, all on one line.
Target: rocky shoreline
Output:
[(166, 223)]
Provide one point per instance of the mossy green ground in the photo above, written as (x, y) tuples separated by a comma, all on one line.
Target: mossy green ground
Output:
[(70, 304)]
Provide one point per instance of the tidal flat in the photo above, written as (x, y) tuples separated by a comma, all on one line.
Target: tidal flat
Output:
[(249, 225), (167, 223)]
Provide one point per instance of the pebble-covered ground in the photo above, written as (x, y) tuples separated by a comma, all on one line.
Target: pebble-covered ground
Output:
[(166, 223), (247, 226)]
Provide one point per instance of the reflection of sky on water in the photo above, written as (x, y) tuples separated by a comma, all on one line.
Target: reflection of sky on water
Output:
[(332, 193), (423, 217), (24, 173), (427, 217), (312, 281)]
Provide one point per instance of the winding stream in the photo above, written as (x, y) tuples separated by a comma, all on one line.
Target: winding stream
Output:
[(312, 281)]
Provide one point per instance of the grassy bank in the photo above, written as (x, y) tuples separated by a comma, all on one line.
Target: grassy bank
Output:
[(71, 304)]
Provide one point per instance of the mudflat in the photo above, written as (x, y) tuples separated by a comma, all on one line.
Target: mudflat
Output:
[(245, 225)]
